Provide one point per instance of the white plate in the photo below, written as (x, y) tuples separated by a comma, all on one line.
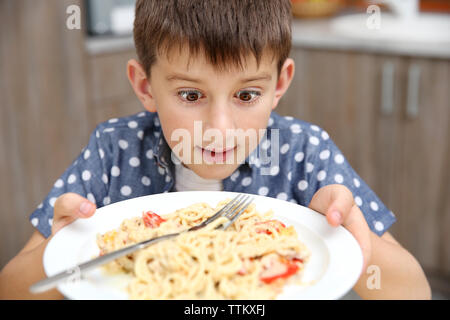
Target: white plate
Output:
[(333, 269)]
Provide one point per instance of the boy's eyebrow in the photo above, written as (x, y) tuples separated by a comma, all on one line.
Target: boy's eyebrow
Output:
[(175, 77), (263, 76)]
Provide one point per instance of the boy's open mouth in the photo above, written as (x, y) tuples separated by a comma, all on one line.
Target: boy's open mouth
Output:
[(217, 155)]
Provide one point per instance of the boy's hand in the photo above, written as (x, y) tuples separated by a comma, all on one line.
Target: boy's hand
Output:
[(68, 208), (336, 203)]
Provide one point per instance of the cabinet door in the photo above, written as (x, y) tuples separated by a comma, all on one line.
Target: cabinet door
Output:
[(422, 162)]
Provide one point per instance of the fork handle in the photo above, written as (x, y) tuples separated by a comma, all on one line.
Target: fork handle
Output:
[(74, 274)]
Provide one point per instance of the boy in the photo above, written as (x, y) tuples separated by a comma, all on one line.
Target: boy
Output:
[(223, 65)]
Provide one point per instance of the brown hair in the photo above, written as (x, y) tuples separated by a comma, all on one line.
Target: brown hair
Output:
[(226, 31)]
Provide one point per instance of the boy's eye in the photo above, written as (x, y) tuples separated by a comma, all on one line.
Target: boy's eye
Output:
[(190, 95), (247, 95)]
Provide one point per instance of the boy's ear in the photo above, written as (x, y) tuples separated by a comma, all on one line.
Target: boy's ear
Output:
[(284, 80), (141, 86)]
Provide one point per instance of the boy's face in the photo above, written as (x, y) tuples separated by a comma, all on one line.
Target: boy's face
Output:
[(212, 120)]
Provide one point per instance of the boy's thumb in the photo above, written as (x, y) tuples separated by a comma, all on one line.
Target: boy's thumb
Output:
[(73, 205)]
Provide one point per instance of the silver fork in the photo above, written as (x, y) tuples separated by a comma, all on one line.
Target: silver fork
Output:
[(232, 210)]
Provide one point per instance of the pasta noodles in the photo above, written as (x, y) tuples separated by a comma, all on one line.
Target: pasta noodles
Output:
[(252, 259)]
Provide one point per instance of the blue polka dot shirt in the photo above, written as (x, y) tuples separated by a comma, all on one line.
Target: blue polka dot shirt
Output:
[(129, 157)]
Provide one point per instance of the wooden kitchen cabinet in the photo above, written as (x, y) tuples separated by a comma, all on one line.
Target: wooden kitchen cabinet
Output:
[(390, 117)]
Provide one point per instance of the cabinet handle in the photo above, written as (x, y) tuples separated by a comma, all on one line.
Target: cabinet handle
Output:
[(387, 88), (412, 102)]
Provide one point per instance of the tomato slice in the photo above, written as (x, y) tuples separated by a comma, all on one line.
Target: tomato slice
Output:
[(278, 225), (290, 268), (151, 219)]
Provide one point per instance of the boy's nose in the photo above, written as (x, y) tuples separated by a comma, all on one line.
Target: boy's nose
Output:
[(220, 118)]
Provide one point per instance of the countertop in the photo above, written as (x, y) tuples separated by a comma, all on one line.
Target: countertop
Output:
[(306, 33), (318, 34)]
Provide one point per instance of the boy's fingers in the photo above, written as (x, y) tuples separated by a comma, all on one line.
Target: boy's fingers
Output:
[(73, 205), (334, 201)]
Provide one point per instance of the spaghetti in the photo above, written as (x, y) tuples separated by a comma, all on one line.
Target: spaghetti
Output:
[(253, 259)]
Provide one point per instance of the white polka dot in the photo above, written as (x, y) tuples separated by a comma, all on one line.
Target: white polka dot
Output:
[(309, 167), (101, 153), (156, 134), (284, 148), (115, 171), (168, 178), (289, 175), (321, 175), (270, 122), (246, 181), (257, 162), (274, 170), (141, 114), (113, 120), (302, 185), (299, 156), (106, 201), (125, 191), (282, 196), (325, 154), (40, 205), (156, 122), (374, 206), (105, 178), (379, 226), (295, 128), (134, 162), (315, 128), (265, 144), (35, 222), (59, 183), (314, 141), (149, 154), (50, 222), (140, 134), (339, 158), (86, 175), (339, 178), (289, 118), (146, 181), (91, 198), (108, 130), (52, 201), (97, 134), (235, 175), (132, 124), (356, 182), (263, 191), (72, 178), (123, 144), (358, 201), (161, 171), (325, 135), (87, 154)]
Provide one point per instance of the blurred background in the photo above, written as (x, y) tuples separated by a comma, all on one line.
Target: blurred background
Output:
[(377, 78)]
